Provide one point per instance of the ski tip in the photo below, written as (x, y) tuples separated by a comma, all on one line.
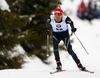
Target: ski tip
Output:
[(90, 71), (51, 73)]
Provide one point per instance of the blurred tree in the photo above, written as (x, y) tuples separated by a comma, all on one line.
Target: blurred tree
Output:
[(40, 9), (24, 25), (10, 25)]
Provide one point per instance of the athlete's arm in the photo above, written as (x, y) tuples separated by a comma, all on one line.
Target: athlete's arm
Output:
[(69, 21)]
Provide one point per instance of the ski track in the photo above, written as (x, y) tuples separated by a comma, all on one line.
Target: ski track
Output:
[(46, 74)]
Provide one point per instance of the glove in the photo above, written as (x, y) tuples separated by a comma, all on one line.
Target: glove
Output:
[(73, 30), (47, 31)]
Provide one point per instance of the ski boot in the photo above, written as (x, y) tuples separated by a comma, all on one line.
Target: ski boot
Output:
[(59, 66), (81, 67)]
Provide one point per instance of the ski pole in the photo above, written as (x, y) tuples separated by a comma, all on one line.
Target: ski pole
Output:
[(81, 43), (47, 45)]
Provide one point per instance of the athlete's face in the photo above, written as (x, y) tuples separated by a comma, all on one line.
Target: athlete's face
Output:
[(58, 17)]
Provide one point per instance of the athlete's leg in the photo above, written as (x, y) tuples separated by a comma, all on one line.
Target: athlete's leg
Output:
[(56, 41), (72, 53)]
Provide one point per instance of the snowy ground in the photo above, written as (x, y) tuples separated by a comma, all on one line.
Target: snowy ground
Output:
[(89, 34)]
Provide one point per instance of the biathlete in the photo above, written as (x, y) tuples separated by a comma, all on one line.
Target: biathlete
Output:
[(60, 32)]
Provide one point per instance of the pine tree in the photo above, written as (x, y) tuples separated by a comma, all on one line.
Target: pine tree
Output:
[(10, 25), (24, 25), (41, 9), (38, 11)]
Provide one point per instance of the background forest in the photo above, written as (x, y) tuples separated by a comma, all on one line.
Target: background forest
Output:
[(24, 24)]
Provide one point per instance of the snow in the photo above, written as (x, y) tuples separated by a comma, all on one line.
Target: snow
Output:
[(0, 34), (89, 34), (4, 5)]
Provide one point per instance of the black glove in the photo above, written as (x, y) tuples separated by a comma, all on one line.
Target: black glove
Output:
[(73, 30), (47, 31)]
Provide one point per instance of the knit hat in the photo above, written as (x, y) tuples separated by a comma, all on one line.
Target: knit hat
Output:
[(58, 11)]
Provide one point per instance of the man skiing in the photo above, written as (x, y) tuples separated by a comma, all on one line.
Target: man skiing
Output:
[(60, 32)]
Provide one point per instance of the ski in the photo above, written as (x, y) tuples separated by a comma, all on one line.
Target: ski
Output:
[(88, 71), (65, 70), (57, 71)]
